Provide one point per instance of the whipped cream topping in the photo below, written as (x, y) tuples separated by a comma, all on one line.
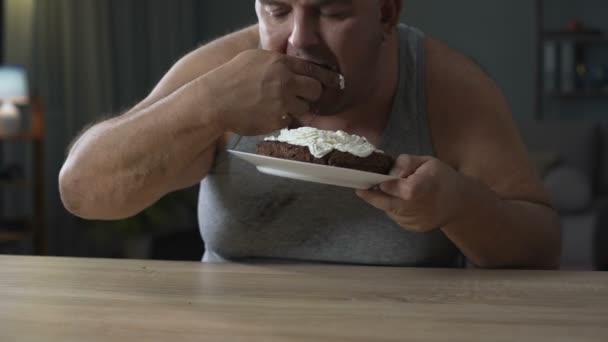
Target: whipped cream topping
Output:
[(320, 142)]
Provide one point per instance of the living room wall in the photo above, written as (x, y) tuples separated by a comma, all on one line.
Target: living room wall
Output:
[(498, 34)]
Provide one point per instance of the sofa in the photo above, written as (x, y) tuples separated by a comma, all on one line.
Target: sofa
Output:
[(571, 156)]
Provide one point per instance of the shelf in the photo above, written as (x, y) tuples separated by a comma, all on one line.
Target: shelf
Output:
[(29, 183), (14, 230), (584, 38), (17, 183), (21, 137), (7, 236), (581, 94)]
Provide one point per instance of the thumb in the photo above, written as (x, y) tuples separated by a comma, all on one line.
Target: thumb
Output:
[(327, 77), (407, 164)]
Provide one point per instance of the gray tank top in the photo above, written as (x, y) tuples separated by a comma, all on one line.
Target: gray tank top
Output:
[(247, 216)]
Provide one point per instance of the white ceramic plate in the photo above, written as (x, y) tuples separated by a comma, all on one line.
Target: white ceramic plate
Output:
[(314, 173)]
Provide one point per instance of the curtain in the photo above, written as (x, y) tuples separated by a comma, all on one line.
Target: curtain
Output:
[(94, 58)]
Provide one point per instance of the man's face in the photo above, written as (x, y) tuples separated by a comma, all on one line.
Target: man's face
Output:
[(342, 35)]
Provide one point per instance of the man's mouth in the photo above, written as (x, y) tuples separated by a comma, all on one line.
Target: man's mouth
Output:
[(326, 66)]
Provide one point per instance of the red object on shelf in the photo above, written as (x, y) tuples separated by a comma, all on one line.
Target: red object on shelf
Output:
[(575, 25)]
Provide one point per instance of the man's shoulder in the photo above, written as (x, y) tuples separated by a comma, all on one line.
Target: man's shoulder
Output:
[(447, 68), (472, 126), (458, 90), (238, 41), (203, 60)]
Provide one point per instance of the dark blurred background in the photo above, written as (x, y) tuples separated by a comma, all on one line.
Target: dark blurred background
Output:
[(87, 59)]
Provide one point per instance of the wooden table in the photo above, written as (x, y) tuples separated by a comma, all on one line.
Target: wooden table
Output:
[(61, 299)]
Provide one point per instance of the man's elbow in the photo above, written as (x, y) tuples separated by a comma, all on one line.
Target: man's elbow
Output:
[(544, 250), (78, 197), (537, 262), (71, 192), (544, 256)]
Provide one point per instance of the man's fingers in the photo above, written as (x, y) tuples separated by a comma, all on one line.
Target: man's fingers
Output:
[(327, 77), (380, 200), (407, 164), (307, 88), (298, 107), (396, 188)]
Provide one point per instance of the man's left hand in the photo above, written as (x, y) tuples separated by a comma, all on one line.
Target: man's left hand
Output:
[(428, 195)]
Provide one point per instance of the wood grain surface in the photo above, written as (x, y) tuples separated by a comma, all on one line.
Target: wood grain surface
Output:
[(64, 299)]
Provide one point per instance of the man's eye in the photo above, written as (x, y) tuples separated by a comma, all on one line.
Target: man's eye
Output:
[(278, 12)]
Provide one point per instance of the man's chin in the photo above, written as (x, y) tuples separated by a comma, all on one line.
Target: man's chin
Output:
[(329, 105), (322, 109)]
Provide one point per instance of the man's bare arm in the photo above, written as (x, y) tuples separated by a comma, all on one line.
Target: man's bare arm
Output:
[(165, 143), (509, 221)]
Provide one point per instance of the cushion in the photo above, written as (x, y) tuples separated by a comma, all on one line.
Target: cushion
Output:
[(544, 161), (576, 142), (569, 189), (577, 241)]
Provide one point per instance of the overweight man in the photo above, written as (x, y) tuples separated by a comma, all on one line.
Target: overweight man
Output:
[(465, 185)]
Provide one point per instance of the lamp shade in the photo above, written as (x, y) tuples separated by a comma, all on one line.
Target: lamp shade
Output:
[(13, 85)]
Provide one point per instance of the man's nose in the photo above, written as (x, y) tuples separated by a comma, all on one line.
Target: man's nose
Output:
[(305, 32)]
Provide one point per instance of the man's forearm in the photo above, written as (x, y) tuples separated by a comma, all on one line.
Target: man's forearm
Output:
[(166, 142), (125, 164), (498, 233)]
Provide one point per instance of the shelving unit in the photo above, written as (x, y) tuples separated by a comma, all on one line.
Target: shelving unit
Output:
[(584, 40), (581, 94), (20, 229), (19, 183), (13, 236)]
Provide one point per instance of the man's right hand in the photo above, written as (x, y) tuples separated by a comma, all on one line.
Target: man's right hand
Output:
[(259, 92)]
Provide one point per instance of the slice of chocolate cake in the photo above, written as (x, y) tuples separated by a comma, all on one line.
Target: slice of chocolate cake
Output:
[(338, 149)]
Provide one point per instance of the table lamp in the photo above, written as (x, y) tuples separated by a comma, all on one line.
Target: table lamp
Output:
[(13, 92)]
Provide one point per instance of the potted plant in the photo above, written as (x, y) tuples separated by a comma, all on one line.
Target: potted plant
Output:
[(174, 211)]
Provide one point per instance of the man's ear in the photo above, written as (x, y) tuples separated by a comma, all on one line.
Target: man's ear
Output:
[(390, 13)]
